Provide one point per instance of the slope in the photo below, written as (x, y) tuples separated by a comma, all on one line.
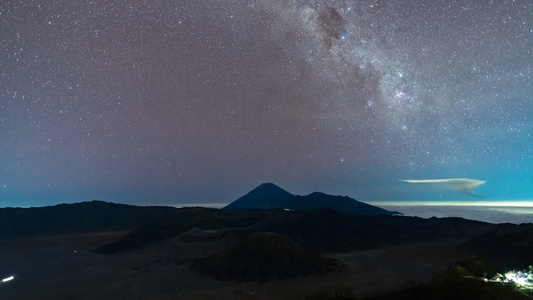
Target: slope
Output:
[(270, 196), (76, 218), (261, 257)]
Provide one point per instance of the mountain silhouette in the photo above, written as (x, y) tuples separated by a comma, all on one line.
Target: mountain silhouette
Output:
[(265, 196), (271, 196), (81, 217), (320, 229)]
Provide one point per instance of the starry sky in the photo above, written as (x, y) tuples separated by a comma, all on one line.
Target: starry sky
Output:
[(187, 101)]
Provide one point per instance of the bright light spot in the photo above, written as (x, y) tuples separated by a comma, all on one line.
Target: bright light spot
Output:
[(523, 279), (8, 279), (520, 278)]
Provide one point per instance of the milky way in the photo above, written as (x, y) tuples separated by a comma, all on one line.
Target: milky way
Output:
[(172, 102)]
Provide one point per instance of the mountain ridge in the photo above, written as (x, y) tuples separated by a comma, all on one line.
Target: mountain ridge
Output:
[(271, 196), (88, 216)]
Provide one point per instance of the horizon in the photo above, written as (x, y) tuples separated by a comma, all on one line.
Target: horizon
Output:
[(198, 101), (516, 212)]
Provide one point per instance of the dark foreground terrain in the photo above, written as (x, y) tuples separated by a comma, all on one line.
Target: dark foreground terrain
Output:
[(201, 253), (63, 267)]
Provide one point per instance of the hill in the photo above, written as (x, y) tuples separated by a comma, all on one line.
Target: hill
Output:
[(76, 218), (322, 229), (180, 222), (507, 246), (269, 196), (340, 203), (261, 257)]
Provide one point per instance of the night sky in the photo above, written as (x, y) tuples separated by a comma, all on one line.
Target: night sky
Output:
[(177, 102)]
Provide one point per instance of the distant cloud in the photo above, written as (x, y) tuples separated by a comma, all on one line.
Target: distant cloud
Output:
[(491, 214), (462, 184)]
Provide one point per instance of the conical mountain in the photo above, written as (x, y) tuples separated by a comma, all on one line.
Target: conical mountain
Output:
[(270, 196), (265, 196)]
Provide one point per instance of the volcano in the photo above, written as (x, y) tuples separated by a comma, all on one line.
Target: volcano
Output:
[(271, 196)]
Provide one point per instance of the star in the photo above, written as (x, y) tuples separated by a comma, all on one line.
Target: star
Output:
[(116, 101)]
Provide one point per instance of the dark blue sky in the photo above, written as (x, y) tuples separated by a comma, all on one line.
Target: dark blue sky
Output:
[(173, 102)]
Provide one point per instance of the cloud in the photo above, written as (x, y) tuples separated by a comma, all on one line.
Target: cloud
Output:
[(491, 214), (462, 184)]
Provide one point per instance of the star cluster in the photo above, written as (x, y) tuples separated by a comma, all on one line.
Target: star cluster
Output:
[(169, 102)]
